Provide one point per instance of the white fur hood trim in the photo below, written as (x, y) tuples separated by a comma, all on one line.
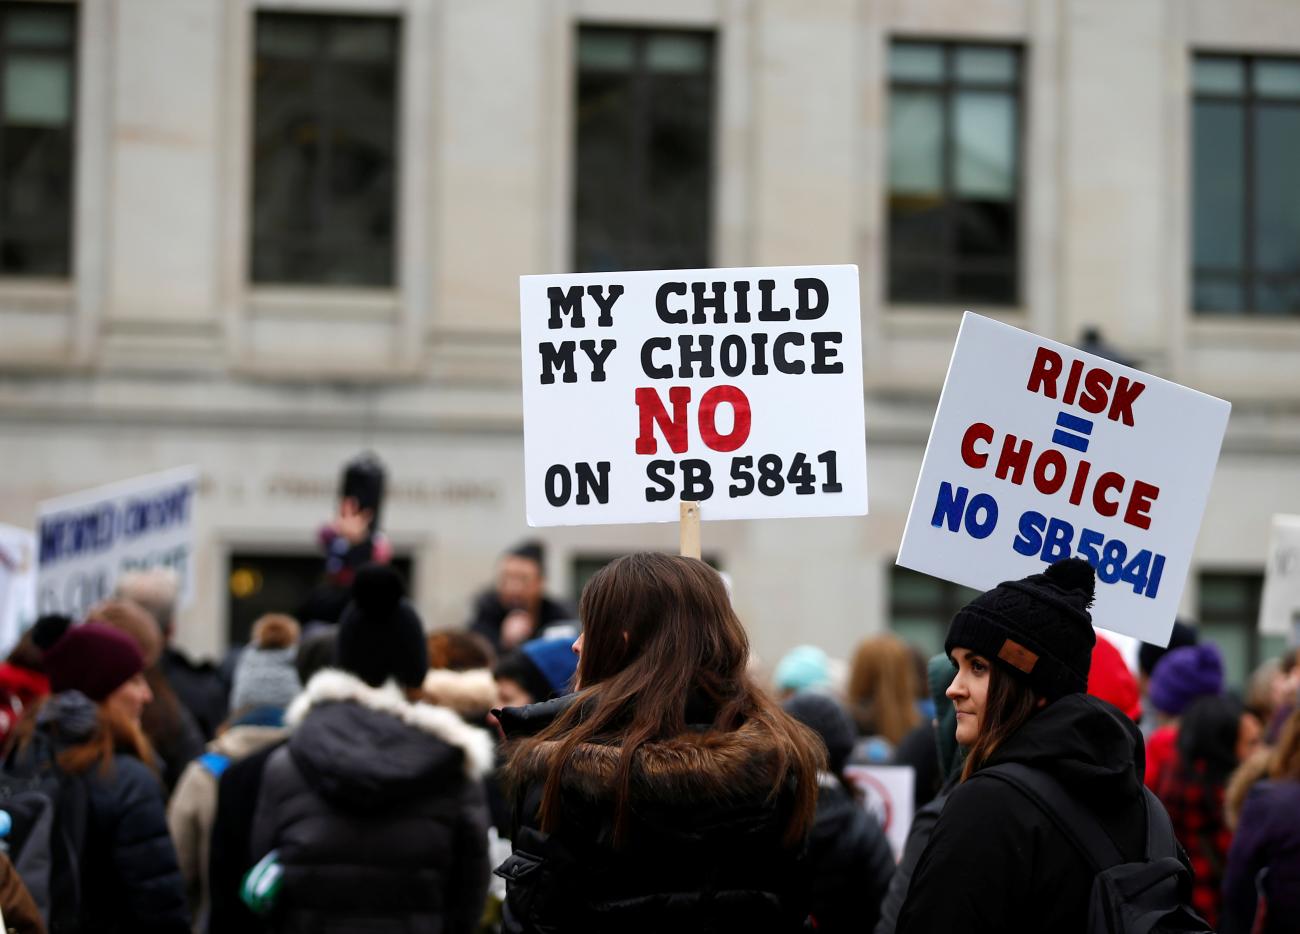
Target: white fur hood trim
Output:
[(330, 685), (466, 692)]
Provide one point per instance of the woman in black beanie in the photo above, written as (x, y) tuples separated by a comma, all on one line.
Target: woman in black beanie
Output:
[(997, 861)]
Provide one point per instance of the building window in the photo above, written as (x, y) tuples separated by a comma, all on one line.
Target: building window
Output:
[(1229, 617), (260, 582), (38, 43), (921, 607), (324, 150), (1245, 200), (643, 173), (954, 173)]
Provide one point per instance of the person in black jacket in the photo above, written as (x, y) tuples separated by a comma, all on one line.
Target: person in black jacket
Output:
[(516, 608), (849, 860), (669, 794), (375, 806), (89, 729), (995, 862)]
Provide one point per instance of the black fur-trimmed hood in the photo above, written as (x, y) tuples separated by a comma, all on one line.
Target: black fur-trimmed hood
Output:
[(701, 764)]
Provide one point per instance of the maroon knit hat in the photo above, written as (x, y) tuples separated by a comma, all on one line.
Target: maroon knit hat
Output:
[(93, 658)]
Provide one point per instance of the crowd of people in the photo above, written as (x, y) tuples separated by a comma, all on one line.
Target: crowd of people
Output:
[(629, 766)]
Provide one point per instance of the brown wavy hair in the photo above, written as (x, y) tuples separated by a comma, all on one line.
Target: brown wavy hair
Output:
[(1009, 705), (883, 688), (113, 733), (1285, 763), (659, 632)]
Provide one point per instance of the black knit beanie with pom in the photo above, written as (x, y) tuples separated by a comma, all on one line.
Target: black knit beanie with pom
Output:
[(380, 635), (1037, 628)]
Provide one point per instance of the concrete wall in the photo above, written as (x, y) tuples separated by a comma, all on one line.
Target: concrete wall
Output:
[(158, 352)]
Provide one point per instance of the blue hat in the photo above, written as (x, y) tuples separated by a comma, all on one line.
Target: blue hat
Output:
[(555, 659), (804, 668)]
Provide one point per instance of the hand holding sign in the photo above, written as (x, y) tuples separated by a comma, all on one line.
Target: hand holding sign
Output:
[(740, 389), (1040, 451)]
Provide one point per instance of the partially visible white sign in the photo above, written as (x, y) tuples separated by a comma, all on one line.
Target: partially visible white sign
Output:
[(1040, 451), (87, 540), (1279, 610), (17, 584), (890, 793)]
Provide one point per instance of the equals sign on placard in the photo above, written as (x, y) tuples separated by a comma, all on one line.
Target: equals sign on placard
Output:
[(1072, 431)]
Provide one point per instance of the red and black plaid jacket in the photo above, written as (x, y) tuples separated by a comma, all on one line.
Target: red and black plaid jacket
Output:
[(1195, 806)]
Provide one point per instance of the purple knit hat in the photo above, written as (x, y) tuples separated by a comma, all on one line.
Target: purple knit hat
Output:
[(1184, 674), (93, 658)]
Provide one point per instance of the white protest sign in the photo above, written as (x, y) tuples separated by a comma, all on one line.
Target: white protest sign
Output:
[(1279, 609), (1040, 451), (88, 539), (739, 389), (17, 584), (889, 793)]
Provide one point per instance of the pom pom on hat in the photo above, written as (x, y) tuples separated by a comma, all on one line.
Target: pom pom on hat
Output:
[(380, 635), (1037, 628), (378, 590)]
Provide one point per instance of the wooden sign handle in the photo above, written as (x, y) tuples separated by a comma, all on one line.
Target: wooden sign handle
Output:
[(690, 530)]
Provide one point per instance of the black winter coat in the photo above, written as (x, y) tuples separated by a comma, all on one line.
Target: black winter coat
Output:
[(704, 851), (375, 806), (129, 874), (849, 862), (230, 852), (996, 863)]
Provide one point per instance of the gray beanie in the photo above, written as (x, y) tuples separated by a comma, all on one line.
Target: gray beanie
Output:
[(264, 678)]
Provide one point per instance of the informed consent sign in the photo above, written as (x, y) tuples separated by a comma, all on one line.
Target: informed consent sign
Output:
[(1040, 451), (739, 389), (87, 540)]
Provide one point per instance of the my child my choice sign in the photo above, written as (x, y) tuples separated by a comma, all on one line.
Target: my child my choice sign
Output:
[(739, 389), (1039, 451)]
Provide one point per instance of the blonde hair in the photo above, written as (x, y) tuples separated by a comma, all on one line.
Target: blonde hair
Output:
[(129, 617), (882, 688), (1286, 754), (155, 590)]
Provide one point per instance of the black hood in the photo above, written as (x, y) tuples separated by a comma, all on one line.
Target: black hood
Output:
[(1089, 746), (361, 759)]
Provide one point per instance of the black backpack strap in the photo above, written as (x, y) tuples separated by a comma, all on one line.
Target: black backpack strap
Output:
[(1161, 840), (1069, 817)]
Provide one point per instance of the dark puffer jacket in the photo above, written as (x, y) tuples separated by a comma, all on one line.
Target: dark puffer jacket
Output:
[(130, 878), (996, 863), (704, 851), (849, 862), (1267, 841), (375, 806)]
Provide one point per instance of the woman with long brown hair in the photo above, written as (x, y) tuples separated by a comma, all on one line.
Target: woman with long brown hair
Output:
[(882, 695), (997, 861), (1264, 861), (88, 732), (669, 793)]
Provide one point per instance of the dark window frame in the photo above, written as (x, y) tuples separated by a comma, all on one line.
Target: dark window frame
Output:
[(1250, 583), (68, 52), (322, 202), (949, 597), (950, 264), (1248, 277), (640, 127)]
